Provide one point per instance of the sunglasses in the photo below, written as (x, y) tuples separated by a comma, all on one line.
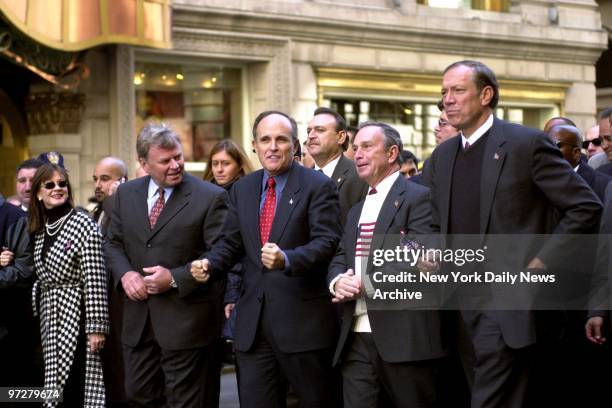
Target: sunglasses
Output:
[(596, 142), (50, 185)]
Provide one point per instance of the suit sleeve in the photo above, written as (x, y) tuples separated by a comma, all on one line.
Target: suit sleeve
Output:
[(229, 248), (211, 231), (578, 205), (94, 275), (599, 300), (21, 271), (325, 233), (114, 253)]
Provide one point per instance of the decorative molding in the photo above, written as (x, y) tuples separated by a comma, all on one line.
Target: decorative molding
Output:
[(248, 48), (476, 34), (54, 112)]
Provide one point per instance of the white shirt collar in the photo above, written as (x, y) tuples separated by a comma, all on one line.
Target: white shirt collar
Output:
[(478, 133), (153, 188), (385, 185), (329, 168), (576, 168)]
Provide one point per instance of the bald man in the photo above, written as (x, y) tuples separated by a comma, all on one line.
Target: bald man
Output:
[(557, 121), (568, 140), (108, 174)]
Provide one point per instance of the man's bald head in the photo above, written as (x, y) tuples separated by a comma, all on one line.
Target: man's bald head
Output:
[(108, 171), (569, 141)]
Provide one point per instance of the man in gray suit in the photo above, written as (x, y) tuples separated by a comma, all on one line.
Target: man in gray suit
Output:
[(160, 223), (501, 178), (394, 350), (327, 140)]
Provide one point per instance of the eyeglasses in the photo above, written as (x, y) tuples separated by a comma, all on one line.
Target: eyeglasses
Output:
[(50, 185), (559, 144), (596, 142)]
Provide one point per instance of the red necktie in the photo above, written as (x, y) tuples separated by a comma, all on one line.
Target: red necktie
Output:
[(372, 191), (157, 208), (267, 212)]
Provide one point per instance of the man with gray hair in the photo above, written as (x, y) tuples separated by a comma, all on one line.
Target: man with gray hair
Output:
[(394, 350), (605, 135), (171, 323)]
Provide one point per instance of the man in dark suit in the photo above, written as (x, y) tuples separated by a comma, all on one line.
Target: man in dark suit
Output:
[(568, 140), (327, 140), (390, 349), (171, 323), (501, 178), (285, 220)]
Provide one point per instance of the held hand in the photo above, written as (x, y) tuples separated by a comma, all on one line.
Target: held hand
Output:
[(347, 288), (113, 187), (428, 263), (200, 270), (6, 257), (594, 330), (536, 263), (158, 279), (134, 286), (228, 309), (95, 342), (272, 257)]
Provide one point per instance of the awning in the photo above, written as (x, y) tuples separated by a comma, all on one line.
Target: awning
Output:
[(49, 37), (75, 25)]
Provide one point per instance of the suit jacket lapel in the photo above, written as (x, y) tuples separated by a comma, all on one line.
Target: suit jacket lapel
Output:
[(352, 231), (140, 202), (339, 174), (176, 202), (493, 162), (392, 203), (289, 199), (447, 165), (252, 215)]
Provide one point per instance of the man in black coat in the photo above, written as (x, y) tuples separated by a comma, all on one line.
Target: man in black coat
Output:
[(568, 140), (501, 178), (285, 220)]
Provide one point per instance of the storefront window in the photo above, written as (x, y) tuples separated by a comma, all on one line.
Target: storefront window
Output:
[(202, 104)]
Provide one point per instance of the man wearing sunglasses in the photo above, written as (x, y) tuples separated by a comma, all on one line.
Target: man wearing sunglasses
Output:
[(568, 140), (605, 135), (592, 142)]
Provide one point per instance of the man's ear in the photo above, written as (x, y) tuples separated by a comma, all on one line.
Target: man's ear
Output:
[(342, 135), (253, 145), (486, 95)]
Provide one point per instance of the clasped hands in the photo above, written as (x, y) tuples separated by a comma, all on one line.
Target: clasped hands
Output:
[(157, 280), (347, 288)]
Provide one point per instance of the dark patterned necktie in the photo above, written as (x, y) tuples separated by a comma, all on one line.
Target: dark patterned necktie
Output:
[(372, 191), (267, 212), (157, 208)]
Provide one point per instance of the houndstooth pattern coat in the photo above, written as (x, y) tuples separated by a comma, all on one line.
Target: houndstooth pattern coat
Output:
[(71, 275)]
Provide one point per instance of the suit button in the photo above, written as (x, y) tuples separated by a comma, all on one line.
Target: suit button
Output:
[(149, 245)]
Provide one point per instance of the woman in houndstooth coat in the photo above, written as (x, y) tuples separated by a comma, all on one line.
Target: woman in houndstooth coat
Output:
[(70, 292)]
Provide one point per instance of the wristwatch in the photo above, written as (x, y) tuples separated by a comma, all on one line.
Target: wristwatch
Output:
[(173, 284)]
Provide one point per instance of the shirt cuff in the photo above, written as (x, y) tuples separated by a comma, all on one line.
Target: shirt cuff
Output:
[(333, 282)]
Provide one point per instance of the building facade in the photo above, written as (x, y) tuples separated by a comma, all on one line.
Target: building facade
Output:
[(228, 60)]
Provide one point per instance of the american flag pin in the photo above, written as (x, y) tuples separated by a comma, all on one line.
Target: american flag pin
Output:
[(396, 203), (496, 156), (291, 202)]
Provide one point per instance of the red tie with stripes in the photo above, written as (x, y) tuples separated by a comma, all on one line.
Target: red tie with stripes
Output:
[(267, 212), (157, 208)]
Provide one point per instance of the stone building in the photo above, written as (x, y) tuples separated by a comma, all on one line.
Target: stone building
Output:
[(227, 60)]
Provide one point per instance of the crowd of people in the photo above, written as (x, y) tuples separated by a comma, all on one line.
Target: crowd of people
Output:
[(141, 301)]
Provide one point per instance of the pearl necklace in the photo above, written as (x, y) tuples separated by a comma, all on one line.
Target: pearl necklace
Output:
[(56, 226)]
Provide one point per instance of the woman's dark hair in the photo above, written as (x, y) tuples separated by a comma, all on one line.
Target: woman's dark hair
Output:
[(235, 152), (37, 215)]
